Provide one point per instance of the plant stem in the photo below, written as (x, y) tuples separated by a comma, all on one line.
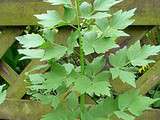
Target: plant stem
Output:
[(82, 97)]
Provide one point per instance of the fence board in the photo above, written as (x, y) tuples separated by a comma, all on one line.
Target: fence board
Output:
[(20, 12)]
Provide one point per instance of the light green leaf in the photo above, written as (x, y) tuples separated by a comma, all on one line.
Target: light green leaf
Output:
[(68, 67), (55, 78), (121, 20), (104, 44), (3, 94), (85, 10), (119, 59), (104, 5), (126, 77), (124, 100), (89, 39), (59, 2), (72, 42), (124, 116), (134, 102), (30, 40), (138, 55), (69, 14), (31, 53), (49, 35), (100, 15), (55, 52), (95, 66), (36, 78), (50, 19)]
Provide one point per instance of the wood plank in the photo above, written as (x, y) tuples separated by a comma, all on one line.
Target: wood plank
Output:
[(22, 110), (31, 110), (18, 90), (7, 73), (7, 38), (20, 12)]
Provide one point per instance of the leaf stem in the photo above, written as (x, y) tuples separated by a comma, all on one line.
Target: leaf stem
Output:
[(82, 97)]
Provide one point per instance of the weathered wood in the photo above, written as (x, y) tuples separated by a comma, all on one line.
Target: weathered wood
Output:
[(7, 38), (31, 110), (22, 110), (146, 82), (20, 12), (7, 73)]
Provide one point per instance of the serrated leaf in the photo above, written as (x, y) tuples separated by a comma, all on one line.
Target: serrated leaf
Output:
[(72, 42), (69, 14), (30, 40), (89, 39), (138, 55), (124, 100), (121, 20), (104, 44), (3, 94), (95, 66), (49, 35), (124, 116), (48, 99), (102, 23), (50, 19), (59, 2), (134, 102), (31, 53), (68, 67), (104, 5), (119, 59), (125, 76), (85, 10), (36, 78), (100, 15), (55, 52), (104, 108), (55, 78)]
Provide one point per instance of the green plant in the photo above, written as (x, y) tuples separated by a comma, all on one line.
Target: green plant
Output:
[(65, 85)]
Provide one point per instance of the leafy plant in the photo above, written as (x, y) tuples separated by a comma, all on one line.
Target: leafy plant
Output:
[(65, 85)]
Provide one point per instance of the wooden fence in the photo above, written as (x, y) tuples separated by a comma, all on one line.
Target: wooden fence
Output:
[(15, 14)]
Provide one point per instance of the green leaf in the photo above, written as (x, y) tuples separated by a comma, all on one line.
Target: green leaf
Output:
[(31, 53), (55, 52), (2, 94), (104, 108), (30, 40), (36, 78), (68, 67), (125, 76), (49, 35), (124, 100), (85, 10), (102, 24), (121, 20), (100, 15), (104, 5), (72, 42), (55, 78), (89, 39), (119, 59), (50, 19), (59, 2), (104, 44), (134, 102), (82, 84), (95, 66), (69, 14), (138, 55), (124, 116), (48, 99)]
